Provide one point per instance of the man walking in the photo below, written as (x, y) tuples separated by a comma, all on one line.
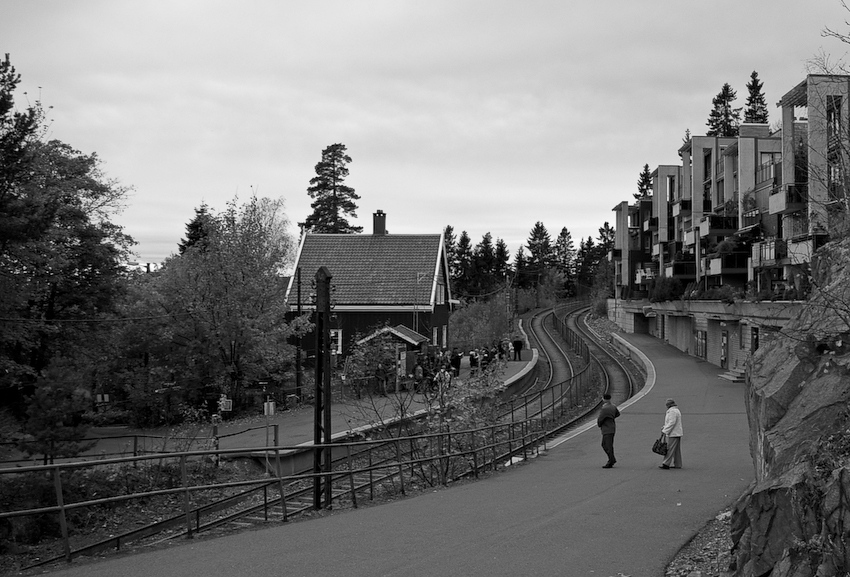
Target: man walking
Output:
[(605, 422)]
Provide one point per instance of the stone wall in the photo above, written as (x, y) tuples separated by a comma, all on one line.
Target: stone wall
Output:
[(795, 519)]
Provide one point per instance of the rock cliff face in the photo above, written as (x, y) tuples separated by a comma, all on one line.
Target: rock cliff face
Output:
[(795, 519)]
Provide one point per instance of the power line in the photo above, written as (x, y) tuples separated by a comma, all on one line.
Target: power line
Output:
[(115, 320)]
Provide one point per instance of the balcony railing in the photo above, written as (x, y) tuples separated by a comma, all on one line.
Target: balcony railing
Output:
[(716, 224), (751, 218), (681, 270), (650, 224), (769, 252)]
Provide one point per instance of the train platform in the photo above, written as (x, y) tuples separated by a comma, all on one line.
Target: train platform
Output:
[(561, 514)]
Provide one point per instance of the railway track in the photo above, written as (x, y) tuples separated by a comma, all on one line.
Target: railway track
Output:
[(575, 367)]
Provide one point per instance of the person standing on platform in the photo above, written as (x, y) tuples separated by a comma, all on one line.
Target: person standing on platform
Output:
[(606, 423), (673, 432), (517, 343)]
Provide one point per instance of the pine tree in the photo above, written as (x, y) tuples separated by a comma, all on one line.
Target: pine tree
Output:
[(756, 110), (723, 120), (644, 183), (332, 199)]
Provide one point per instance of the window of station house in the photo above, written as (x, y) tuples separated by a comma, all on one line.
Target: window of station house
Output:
[(441, 293), (336, 341)]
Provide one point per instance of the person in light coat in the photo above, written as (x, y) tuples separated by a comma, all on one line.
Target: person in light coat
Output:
[(673, 432)]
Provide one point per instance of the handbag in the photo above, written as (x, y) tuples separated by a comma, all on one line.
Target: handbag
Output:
[(660, 446)]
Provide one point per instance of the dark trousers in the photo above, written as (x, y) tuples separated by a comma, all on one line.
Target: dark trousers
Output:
[(608, 447)]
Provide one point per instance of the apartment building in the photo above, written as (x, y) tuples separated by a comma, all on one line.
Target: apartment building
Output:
[(718, 257)]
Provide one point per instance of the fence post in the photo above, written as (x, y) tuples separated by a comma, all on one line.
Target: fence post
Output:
[(351, 476), (63, 521), (400, 464), (279, 471), (215, 445), (474, 455), (184, 475)]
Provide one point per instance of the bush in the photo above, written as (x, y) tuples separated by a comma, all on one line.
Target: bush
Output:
[(666, 289)]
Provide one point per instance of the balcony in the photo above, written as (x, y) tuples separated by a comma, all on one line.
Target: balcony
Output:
[(800, 250), (769, 253), (650, 224), (681, 270), (714, 224), (644, 276), (682, 207), (790, 198), (751, 218), (725, 264)]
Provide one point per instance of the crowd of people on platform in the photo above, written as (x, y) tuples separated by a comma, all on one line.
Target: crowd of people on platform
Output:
[(440, 368)]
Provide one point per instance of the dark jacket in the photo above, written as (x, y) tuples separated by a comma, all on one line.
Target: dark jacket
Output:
[(605, 420)]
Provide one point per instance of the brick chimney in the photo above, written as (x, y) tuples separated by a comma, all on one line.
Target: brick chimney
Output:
[(380, 222)]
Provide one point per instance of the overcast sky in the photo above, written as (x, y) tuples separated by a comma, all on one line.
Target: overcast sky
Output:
[(483, 115)]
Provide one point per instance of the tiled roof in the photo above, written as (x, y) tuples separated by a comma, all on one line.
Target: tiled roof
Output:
[(368, 269)]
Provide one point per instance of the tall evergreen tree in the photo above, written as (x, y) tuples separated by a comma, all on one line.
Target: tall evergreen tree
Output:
[(605, 240), (756, 110), (450, 240), (565, 254), (540, 248), (461, 279), (503, 257), (332, 199), (723, 120), (586, 259), (484, 263), (644, 183), (197, 230), (522, 277)]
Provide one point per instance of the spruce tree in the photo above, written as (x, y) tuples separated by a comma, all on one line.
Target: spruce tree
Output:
[(756, 110), (723, 120), (197, 230), (332, 199), (644, 183)]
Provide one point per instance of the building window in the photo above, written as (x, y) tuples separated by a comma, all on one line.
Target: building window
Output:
[(671, 188), (434, 335), (336, 341), (833, 116), (441, 293)]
